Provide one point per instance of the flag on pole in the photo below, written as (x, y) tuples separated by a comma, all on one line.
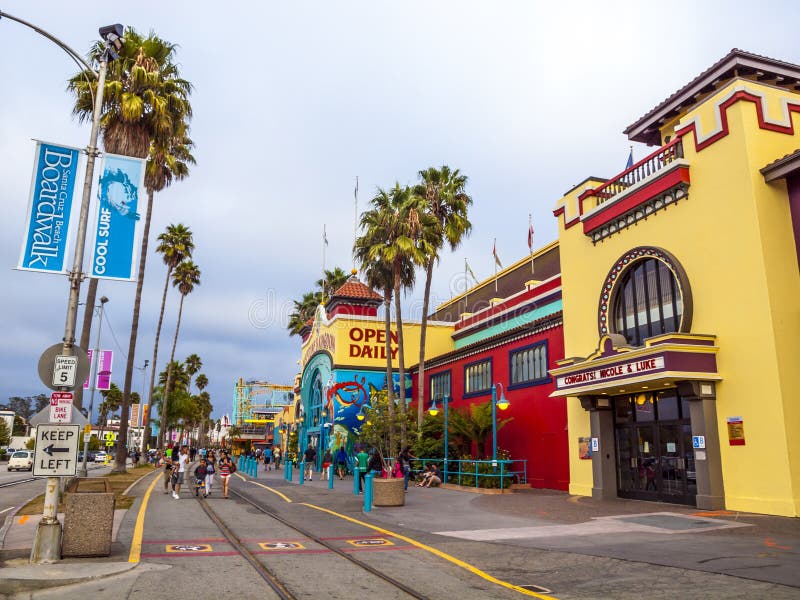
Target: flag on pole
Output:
[(530, 238), (494, 253), (469, 270), (629, 164)]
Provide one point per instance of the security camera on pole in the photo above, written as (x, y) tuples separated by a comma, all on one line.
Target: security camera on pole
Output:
[(61, 370)]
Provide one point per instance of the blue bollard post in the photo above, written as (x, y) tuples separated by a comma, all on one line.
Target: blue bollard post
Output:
[(301, 477), (330, 476), (368, 491), (290, 470), (356, 482)]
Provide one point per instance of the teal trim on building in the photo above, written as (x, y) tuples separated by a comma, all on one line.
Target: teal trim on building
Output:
[(528, 317)]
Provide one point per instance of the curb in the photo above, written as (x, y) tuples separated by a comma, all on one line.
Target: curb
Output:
[(130, 487), (38, 577), (10, 521)]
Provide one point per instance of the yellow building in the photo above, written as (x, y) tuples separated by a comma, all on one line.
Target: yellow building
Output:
[(343, 362), (681, 295)]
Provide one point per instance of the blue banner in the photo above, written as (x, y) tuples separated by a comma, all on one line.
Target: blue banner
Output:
[(50, 205), (121, 187)]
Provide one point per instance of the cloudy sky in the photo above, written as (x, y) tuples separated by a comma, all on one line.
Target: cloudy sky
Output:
[(293, 100)]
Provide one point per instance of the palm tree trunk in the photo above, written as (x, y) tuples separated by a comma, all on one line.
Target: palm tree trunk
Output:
[(401, 363), (122, 451), (155, 351), (86, 330), (387, 306), (165, 400), (423, 330)]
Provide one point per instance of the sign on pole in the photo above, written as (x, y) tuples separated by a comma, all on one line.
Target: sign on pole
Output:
[(61, 407), (118, 218), (103, 381), (53, 185), (56, 451), (64, 370)]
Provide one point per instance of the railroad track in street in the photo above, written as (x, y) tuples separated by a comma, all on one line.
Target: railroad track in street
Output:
[(271, 578)]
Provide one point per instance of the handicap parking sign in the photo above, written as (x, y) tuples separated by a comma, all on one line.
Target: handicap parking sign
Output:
[(698, 441)]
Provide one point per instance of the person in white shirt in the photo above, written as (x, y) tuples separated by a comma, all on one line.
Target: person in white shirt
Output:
[(183, 462)]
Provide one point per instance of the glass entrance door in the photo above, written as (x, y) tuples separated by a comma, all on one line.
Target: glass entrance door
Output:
[(655, 460)]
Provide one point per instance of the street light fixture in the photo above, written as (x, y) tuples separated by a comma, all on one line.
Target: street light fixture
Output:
[(47, 540), (502, 404)]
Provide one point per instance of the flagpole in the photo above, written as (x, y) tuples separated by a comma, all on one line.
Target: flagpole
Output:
[(355, 223), (466, 286), (494, 253), (324, 244), (530, 238)]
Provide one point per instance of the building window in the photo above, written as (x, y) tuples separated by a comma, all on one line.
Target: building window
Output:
[(647, 301), (440, 386), (528, 365), (478, 377)]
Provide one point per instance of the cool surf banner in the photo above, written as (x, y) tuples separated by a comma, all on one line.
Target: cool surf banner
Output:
[(53, 188), (118, 217)]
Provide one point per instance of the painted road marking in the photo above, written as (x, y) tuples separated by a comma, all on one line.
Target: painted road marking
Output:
[(281, 546), (6, 510), (452, 559), (286, 498), (189, 548), (189, 554), (197, 541), (138, 531), (370, 542), (23, 519)]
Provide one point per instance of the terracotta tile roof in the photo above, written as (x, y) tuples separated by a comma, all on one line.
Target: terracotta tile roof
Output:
[(353, 288)]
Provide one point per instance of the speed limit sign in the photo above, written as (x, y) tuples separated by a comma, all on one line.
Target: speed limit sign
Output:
[(64, 370)]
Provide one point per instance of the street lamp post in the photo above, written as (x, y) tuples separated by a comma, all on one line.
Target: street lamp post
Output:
[(93, 384), (142, 424), (434, 410), (502, 404), (47, 540)]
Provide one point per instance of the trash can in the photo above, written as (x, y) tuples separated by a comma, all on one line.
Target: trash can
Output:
[(88, 517)]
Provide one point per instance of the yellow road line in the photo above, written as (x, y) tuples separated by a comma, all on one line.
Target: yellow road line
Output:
[(240, 477), (439, 553), (138, 530), (273, 491)]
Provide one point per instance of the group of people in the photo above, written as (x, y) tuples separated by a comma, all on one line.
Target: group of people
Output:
[(175, 464)]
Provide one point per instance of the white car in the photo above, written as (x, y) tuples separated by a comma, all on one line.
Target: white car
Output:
[(21, 460), (100, 456)]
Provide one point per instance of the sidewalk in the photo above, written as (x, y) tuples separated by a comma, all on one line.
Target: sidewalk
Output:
[(755, 547)]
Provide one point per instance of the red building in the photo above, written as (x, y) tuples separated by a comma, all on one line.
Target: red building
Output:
[(509, 331)]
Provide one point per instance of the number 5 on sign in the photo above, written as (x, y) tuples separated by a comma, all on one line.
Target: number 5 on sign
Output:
[(64, 370)]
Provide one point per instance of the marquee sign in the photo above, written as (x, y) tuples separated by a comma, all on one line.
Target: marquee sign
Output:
[(611, 372)]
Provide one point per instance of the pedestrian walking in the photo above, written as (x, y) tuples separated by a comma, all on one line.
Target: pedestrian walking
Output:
[(200, 479), (211, 469), (327, 461), (267, 459), (363, 458), (310, 457), (183, 462), (341, 462), (405, 458), (225, 465), (276, 455)]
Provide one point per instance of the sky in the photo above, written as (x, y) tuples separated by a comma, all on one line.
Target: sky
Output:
[(294, 100)]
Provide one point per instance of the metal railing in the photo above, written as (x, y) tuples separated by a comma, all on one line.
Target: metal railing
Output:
[(486, 474), (643, 169)]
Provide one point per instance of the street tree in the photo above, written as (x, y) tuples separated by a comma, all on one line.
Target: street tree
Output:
[(186, 277), (145, 108)]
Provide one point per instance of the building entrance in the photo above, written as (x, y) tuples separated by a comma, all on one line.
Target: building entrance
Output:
[(655, 459)]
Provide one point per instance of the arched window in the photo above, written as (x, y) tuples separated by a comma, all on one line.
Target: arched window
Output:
[(647, 301)]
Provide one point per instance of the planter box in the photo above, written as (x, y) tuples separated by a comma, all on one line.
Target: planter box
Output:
[(388, 492), (88, 518)]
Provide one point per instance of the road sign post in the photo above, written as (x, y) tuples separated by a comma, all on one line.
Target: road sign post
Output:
[(56, 451), (61, 407)]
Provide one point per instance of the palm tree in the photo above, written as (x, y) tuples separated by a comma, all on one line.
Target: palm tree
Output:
[(447, 203), (201, 382), (303, 311), (185, 278), (331, 282), (393, 237), (112, 398), (145, 113), (193, 364)]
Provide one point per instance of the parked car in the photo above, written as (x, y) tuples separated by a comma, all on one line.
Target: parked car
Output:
[(101, 456), (21, 460)]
